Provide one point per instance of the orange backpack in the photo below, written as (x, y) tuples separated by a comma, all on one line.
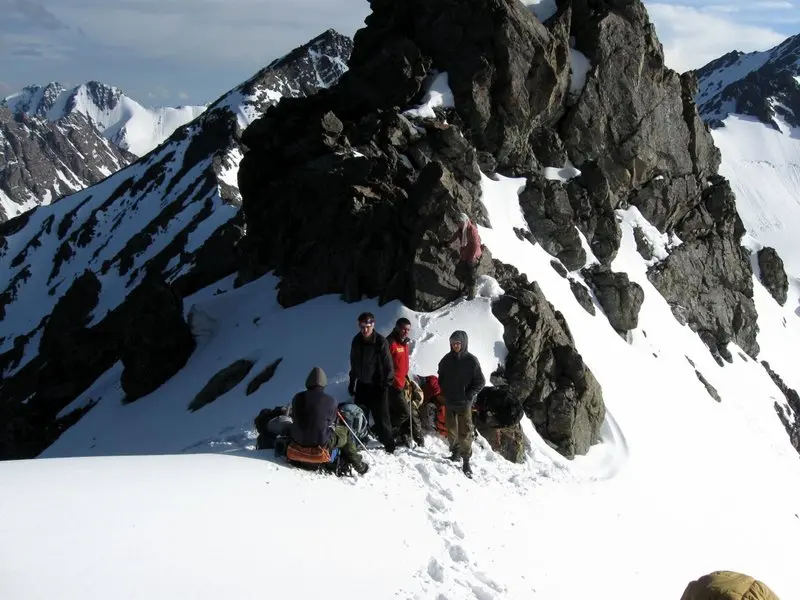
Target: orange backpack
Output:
[(315, 455)]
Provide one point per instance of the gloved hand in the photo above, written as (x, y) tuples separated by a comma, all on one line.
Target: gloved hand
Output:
[(351, 388)]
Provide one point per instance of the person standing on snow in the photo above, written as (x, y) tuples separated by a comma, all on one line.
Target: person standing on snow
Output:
[(371, 376), (314, 421), (404, 415), (461, 379), (469, 245)]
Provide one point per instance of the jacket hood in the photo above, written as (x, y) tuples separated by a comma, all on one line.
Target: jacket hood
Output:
[(461, 336), (316, 377)]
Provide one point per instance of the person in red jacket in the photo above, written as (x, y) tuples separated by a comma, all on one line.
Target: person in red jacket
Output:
[(469, 246), (402, 417)]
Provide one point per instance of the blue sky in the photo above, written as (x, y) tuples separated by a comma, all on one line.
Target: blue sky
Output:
[(170, 52)]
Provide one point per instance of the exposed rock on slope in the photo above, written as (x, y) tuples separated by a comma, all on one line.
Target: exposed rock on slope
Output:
[(42, 161), (773, 275), (558, 391), (344, 194), (173, 215)]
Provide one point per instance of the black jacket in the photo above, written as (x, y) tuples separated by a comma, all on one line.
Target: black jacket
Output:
[(313, 415), (371, 361), (460, 376)]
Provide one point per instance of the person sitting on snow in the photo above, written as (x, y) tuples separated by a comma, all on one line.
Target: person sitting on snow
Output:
[(404, 416), (461, 379), (469, 247), (314, 421)]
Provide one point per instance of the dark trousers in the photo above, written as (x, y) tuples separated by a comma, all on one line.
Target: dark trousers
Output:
[(373, 399), (404, 419), (467, 273)]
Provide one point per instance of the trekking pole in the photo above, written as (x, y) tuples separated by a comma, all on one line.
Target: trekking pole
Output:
[(346, 424), (412, 444)]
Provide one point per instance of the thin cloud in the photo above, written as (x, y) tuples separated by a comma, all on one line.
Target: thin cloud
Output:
[(31, 14), (693, 37)]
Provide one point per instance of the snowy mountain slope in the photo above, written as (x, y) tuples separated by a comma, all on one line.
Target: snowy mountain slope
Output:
[(763, 166), (172, 212), (765, 85), (41, 161), (119, 118), (681, 485)]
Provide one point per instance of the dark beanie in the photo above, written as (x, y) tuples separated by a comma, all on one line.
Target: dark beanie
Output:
[(316, 377)]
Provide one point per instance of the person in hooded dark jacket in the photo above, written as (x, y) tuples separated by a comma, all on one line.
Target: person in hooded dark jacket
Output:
[(371, 376), (313, 415), (460, 378)]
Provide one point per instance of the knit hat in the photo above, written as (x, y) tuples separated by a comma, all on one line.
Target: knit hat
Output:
[(316, 378)]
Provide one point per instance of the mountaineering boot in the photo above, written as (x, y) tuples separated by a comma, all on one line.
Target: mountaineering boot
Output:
[(454, 456), (361, 468), (466, 468)]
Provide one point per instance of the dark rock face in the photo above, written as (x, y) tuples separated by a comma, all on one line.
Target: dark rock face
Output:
[(583, 296), (773, 275), (374, 223), (765, 87), (158, 341), (509, 75), (707, 280), (712, 391), (620, 298), (508, 442), (543, 369), (789, 415), (551, 219), (221, 383), (42, 161), (643, 245)]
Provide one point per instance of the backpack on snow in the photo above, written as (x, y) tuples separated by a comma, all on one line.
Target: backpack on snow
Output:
[(505, 407), (311, 455), (356, 419)]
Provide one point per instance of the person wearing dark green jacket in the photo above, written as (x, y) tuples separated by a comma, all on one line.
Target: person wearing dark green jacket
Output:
[(461, 379)]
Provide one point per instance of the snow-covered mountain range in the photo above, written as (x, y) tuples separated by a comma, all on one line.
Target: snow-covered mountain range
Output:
[(174, 212), (764, 85), (119, 118), (626, 297), (41, 161)]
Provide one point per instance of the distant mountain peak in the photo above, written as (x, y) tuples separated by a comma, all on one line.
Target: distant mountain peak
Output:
[(116, 116), (765, 85)]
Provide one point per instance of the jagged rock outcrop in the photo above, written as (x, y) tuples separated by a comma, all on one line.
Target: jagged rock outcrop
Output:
[(551, 219), (583, 296), (773, 275), (544, 370), (42, 161), (620, 297), (362, 207), (157, 339), (498, 417), (708, 280), (789, 414)]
